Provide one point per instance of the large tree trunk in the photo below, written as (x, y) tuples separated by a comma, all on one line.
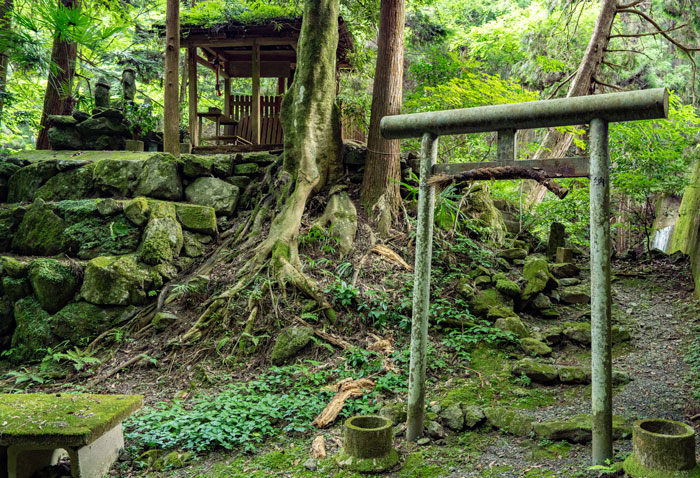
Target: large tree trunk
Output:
[(58, 99), (5, 9), (556, 144), (380, 187), (312, 160), (171, 109)]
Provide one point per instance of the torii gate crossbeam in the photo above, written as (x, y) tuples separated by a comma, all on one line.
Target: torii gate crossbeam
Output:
[(598, 111)]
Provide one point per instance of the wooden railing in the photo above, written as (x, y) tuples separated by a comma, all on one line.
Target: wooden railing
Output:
[(242, 105)]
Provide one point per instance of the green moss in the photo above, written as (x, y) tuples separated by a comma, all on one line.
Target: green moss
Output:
[(279, 250), (508, 288), (72, 419), (40, 232), (14, 268), (33, 333), (159, 178), (74, 211), (537, 277), (634, 469), (289, 342), (197, 218), (74, 184), (489, 299), (416, 467), (367, 465), (137, 210), (117, 176), (9, 220), (24, 184), (102, 236), (79, 322), (508, 421), (53, 282), (194, 166), (116, 280), (162, 238), (16, 289)]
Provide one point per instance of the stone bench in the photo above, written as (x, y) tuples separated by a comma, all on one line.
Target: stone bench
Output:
[(34, 428)]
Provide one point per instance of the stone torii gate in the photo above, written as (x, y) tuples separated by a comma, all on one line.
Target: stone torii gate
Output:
[(598, 111)]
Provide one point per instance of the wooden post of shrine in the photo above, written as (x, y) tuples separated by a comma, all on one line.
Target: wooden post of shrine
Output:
[(255, 113), (192, 82)]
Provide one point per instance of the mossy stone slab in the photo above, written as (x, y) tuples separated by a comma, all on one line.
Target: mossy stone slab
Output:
[(64, 419)]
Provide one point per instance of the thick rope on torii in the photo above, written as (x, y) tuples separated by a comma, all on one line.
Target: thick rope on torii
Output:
[(501, 172)]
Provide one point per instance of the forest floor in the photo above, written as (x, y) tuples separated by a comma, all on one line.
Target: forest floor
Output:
[(653, 300)]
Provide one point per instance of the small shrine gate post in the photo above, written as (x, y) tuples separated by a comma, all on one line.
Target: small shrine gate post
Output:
[(597, 111)]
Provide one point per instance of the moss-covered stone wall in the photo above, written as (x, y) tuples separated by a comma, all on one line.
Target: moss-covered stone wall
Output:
[(685, 234)]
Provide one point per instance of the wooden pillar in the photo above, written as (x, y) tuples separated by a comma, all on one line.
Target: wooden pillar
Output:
[(227, 97), (281, 84), (255, 116), (192, 84)]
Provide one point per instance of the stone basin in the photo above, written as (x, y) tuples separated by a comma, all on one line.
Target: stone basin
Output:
[(368, 444)]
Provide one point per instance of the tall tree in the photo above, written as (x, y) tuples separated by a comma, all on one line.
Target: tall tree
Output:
[(58, 99), (5, 9), (171, 109), (380, 187), (312, 161)]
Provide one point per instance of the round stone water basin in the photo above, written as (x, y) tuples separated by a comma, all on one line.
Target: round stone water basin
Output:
[(368, 444), (662, 449)]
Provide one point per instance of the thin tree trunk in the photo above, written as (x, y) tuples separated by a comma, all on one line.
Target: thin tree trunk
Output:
[(556, 144), (58, 99), (380, 187), (5, 9), (171, 110), (183, 81)]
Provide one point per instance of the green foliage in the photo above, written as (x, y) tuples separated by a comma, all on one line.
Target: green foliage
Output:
[(141, 118), (217, 12), (80, 359), (321, 236), (343, 293)]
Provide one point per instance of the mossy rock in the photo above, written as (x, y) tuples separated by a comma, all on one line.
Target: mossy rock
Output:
[(289, 342), (513, 325), (7, 317), (159, 178), (535, 371), (117, 176), (24, 184), (32, 332), (162, 239), (116, 280), (246, 169), (73, 211), (9, 220), (537, 277), (16, 289), (565, 270), (508, 421), (532, 346), (109, 207), (513, 253), (396, 412), (464, 289), (577, 429), (13, 267), (191, 246), (496, 313), (241, 182), (40, 233), (578, 294), (80, 322), (508, 288), (194, 166), (574, 375), (452, 417), (214, 192), (73, 184), (53, 282), (98, 236), (488, 299), (137, 210), (197, 218)]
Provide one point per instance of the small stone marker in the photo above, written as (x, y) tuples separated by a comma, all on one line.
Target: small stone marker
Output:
[(557, 238), (34, 427), (564, 255)]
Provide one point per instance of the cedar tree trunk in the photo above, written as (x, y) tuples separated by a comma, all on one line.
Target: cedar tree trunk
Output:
[(171, 109), (58, 99), (380, 183)]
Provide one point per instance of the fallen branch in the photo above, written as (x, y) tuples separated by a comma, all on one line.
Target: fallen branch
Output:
[(389, 254), (501, 172), (328, 337), (346, 388), (318, 447)]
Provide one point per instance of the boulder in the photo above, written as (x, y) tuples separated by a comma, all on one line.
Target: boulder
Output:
[(40, 233), (246, 169), (73, 184), (571, 374), (480, 205), (488, 299), (16, 289), (508, 288), (214, 192), (541, 302), (396, 412), (117, 176), (473, 416), (32, 332), (115, 280), (508, 421), (9, 220), (496, 313), (62, 120), (79, 322), (191, 246), (101, 125), (537, 277), (464, 289), (532, 346), (162, 239), (535, 371), (194, 166), (65, 138), (24, 184), (53, 282), (14, 268), (549, 313), (579, 332), (578, 294), (552, 336), (354, 153), (513, 325), (565, 270), (197, 218), (289, 342), (453, 417), (159, 178), (137, 211), (577, 429), (434, 430), (513, 253)]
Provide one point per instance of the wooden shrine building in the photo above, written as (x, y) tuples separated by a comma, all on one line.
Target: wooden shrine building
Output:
[(254, 50)]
